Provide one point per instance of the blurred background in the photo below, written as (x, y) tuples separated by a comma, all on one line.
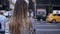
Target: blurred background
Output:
[(45, 15)]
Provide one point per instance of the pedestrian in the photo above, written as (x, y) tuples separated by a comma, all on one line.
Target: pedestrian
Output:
[(20, 23), (12, 4), (2, 22), (8, 17)]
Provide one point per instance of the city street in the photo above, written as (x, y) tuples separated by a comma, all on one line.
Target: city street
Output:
[(48, 10), (42, 27), (47, 28)]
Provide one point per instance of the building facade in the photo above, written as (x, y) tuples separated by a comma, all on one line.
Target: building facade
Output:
[(49, 5), (44, 7)]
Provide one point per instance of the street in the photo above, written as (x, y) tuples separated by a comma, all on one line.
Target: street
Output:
[(47, 28), (36, 10), (42, 27)]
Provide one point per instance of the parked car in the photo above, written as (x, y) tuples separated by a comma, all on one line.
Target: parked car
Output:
[(41, 15), (54, 18)]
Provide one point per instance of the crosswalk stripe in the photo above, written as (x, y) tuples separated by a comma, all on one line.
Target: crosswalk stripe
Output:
[(48, 29), (46, 25)]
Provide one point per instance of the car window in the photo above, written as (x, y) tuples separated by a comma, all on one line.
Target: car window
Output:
[(58, 14), (38, 13), (43, 13)]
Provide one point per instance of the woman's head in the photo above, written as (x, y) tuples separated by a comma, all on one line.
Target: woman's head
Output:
[(20, 17), (20, 8), (20, 11)]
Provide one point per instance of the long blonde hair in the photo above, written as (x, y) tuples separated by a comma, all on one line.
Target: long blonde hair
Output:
[(19, 18)]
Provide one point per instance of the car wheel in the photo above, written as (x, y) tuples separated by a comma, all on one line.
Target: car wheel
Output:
[(53, 21)]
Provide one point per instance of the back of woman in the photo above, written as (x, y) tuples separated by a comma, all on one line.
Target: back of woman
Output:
[(20, 23)]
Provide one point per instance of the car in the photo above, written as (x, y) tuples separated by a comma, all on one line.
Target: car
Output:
[(41, 15), (53, 18)]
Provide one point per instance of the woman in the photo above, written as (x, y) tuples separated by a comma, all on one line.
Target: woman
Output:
[(20, 23)]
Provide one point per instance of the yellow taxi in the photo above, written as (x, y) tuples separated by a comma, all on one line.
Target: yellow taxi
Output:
[(53, 18)]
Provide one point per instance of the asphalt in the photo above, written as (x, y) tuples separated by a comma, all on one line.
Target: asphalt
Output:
[(43, 27)]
